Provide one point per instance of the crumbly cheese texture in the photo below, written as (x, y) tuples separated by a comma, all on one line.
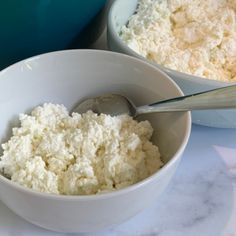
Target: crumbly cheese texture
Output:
[(197, 37), (84, 154)]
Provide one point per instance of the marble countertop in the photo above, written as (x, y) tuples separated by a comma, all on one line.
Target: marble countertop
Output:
[(200, 200)]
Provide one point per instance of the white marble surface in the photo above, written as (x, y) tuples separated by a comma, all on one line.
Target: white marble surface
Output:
[(200, 201)]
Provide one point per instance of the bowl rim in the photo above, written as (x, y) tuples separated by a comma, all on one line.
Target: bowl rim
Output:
[(94, 197), (111, 30)]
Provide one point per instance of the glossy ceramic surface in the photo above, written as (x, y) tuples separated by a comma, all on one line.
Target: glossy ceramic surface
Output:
[(67, 77), (119, 13)]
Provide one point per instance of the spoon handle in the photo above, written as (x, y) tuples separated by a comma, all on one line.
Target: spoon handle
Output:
[(220, 98)]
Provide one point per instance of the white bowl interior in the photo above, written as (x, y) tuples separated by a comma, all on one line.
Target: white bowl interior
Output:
[(68, 77)]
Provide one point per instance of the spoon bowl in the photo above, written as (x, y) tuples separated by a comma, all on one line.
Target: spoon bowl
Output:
[(112, 104)]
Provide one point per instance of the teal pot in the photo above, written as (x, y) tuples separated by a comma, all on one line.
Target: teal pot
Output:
[(33, 27)]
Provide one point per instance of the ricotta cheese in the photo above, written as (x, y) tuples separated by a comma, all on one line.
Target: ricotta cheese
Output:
[(84, 154), (197, 37)]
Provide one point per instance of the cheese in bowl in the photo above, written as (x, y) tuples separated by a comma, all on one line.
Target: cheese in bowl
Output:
[(194, 37), (55, 152)]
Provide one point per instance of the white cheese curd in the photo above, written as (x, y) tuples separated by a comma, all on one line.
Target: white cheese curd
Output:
[(57, 153), (197, 37)]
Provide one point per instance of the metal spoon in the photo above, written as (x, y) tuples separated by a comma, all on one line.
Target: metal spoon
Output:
[(115, 104)]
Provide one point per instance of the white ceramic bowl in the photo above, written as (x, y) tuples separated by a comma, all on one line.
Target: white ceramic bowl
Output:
[(66, 77), (119, 14)]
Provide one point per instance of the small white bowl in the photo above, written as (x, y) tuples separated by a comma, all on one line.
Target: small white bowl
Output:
[(119, 14), (66, 77)]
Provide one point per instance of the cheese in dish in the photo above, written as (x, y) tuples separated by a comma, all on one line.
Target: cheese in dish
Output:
[(55, 152), (197, 37)]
